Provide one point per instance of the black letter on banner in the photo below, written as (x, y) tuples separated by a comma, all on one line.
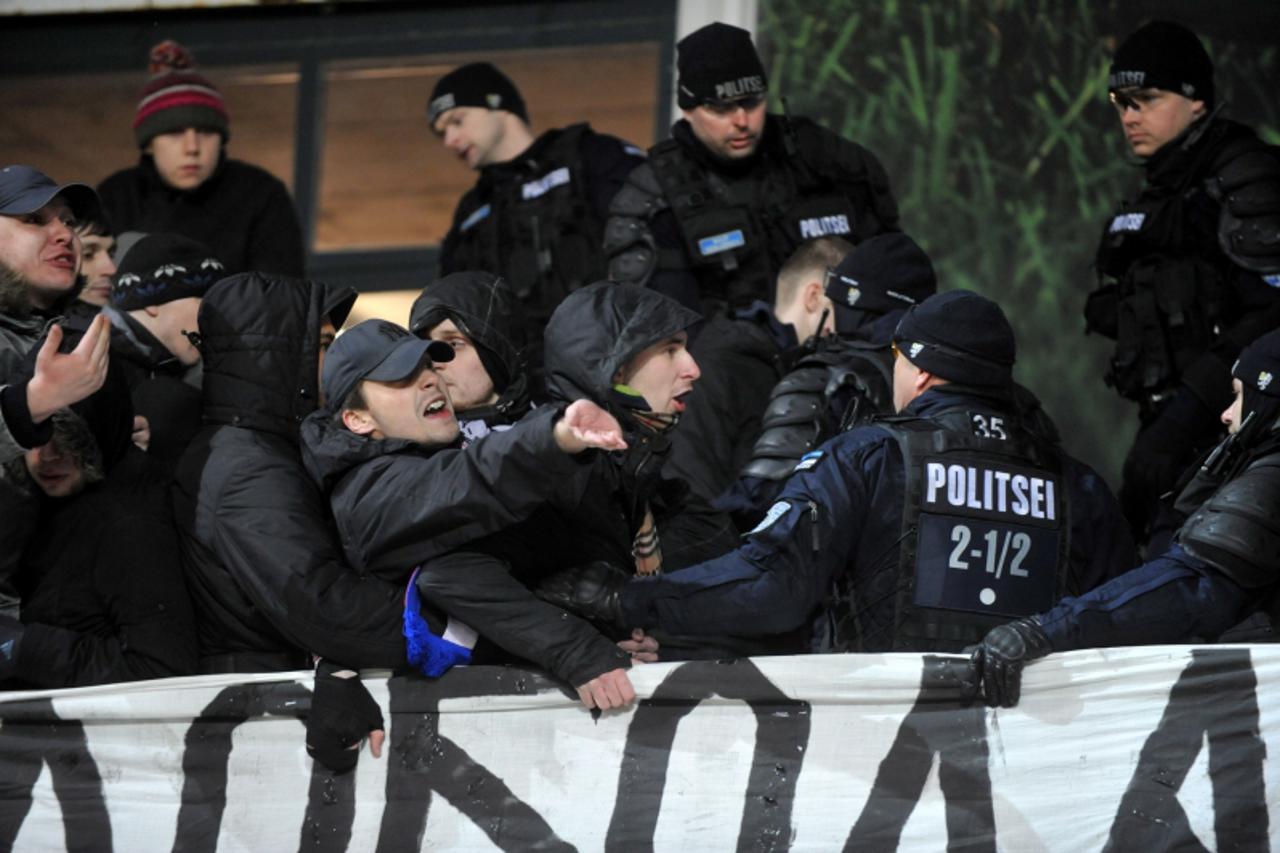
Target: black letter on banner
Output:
[(782, 736), (1215, 695), (330, 800), (421, 760), (32, 735), (939, 724)]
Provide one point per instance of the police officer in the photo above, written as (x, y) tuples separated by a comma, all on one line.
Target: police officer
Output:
[(1189, 267), (536, 214), (1224, 564), (719, 207), (844, 380), (911, 533)]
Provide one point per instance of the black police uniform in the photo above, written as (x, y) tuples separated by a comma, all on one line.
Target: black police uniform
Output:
[(711, 233), (912, 533), (1191, 272), (538, 220)]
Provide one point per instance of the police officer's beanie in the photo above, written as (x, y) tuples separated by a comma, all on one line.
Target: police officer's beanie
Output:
[(882, 274), (1258, 369), (718, 63), (176, 97), (160, 268), (478, 84), (961, 337), (1164, 55)]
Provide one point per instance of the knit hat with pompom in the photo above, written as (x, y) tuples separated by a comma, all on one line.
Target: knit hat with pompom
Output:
[(176, 97)]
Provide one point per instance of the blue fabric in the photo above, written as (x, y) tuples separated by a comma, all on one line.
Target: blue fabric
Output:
[(431, 655)]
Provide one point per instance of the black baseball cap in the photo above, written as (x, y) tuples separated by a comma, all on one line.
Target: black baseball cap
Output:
[(25, 189), (378, 350)]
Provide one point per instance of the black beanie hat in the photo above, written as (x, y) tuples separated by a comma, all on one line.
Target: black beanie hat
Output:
[(478, 84), (882, 274), (1164, 55), (961, 337), (160, 268), (718, 63), (1258, 369)]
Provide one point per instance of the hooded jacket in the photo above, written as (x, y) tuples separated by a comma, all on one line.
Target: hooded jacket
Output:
[(483, 308), (265, 571), (594, 333), (103, 598)]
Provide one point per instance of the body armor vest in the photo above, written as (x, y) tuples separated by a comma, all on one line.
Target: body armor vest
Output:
[(985, 529), (737, 234), (1171, 292), (537, 228)]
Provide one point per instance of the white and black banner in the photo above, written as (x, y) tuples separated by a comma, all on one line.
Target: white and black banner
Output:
[(1151, 749)]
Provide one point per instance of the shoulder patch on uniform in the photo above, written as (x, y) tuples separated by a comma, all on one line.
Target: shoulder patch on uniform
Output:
[(1273, 280), (809, 460), (635, 151), (476, 215), (775, 512)]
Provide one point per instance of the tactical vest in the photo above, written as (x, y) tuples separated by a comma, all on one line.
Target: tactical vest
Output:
[(737, 235), (537, 228), (1171, 294), (985, 530)]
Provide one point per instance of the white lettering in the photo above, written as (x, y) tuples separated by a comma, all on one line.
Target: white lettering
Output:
[(1002, 497), (1037, 497), (1019, 484), (1127, 222), (955, 485), (935, 474), (1050, 504), (824, 226), (547, 182), (731, 90)]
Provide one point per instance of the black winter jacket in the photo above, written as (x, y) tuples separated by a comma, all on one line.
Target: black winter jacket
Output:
[(243, 213), (265, 570)]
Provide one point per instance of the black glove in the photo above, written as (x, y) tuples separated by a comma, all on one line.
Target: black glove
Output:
[(11, 631), (996, 663), (592, 591), (342, 715)]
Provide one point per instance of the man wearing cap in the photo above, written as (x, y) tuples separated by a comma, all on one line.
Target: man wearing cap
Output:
[(404, 493), (741, 357), (915, 533), (154, 316), (185, 184), (1224, 563), (719, 207), (845, 379), (536, 214), (1190, 268)]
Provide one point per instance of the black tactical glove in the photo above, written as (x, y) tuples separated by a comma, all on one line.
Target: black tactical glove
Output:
[(11, 631), (342, 715), (593, 591), (996, 663)]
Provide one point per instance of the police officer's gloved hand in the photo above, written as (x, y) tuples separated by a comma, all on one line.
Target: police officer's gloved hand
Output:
[(11, 631), (996, 663), (593, 590), (342, 715)]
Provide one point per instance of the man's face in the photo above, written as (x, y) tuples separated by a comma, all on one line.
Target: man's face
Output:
[(171, 320), (731, 130), (42, 249), (97, 267), (663, 374), (57, 473), (186, 158), (1152, 117), (414, 409), (466, 379), (1232, 415), (471, 133)]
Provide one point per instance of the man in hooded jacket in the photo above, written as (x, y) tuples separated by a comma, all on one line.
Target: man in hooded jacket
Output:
[(265, 570), (476, 314)]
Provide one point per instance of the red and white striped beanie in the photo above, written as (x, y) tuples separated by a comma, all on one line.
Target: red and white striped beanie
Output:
[(177, 97)]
